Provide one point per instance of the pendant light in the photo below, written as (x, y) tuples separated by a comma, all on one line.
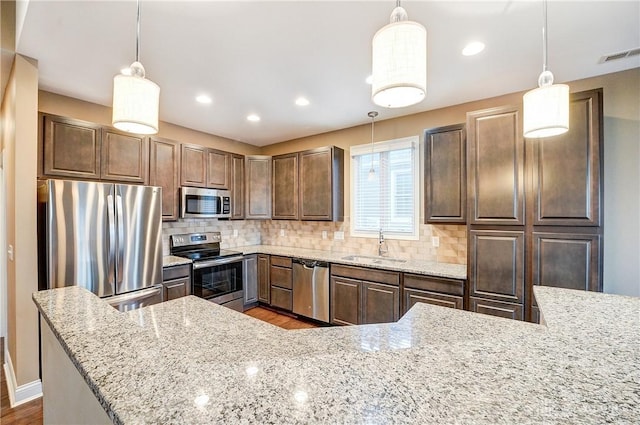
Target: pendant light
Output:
[(135, 98), (399, 62), (372, 171), (546, 109)]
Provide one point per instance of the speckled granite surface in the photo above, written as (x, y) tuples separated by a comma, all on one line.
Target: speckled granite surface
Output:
[(189, 361), (453, 271), (172, 260)]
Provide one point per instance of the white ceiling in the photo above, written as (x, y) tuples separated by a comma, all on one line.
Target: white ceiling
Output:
[(258, 56)]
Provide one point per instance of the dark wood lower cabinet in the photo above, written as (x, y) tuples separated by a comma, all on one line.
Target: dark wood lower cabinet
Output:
[(496, 308), (264, 286), (381, 303), (346, 300), (413, 296), (281, 298), (176, 282)]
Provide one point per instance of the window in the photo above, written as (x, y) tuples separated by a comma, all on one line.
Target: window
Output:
[(386, 200)]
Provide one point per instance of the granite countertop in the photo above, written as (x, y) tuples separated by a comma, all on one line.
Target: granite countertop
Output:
[(189, 361), (432, 268), (172, 260)]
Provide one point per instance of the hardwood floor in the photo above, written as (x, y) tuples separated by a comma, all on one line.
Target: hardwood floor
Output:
[(31, 413)]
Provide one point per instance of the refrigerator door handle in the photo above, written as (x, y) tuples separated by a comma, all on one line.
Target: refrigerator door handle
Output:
[(112, 239), (120, 224)]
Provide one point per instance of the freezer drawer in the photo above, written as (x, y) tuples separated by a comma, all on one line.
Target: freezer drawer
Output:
[(136, 299), (311, 289)]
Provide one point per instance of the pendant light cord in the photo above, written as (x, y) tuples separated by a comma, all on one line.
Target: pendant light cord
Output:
[(138, 34), (544, 35)]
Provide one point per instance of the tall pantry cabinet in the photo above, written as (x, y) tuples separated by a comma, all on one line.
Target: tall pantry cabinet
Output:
[(534, 209)]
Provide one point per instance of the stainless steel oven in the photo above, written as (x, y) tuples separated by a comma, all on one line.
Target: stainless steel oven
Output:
[(217, 273), (219, 281)]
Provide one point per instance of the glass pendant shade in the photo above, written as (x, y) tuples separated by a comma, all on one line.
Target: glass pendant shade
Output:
[(135, 102), (546, 110), (399, 63)]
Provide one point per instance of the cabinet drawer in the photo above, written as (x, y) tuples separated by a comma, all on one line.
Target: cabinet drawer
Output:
[(176, 272), (176, 288), (280, 261), (281, 277), (496, 308), (281, 298), (371, 275), (428, 283), (412, 296)]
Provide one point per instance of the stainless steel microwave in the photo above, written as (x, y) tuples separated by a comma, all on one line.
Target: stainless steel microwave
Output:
[(196, 202)]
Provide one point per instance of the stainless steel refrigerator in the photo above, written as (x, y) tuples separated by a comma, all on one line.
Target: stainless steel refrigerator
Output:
[(104, 237)]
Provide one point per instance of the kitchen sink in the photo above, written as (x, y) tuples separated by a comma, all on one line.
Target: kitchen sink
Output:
[(365, 259)]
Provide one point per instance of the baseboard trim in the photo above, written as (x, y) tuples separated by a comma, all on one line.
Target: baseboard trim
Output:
[(23, 393)]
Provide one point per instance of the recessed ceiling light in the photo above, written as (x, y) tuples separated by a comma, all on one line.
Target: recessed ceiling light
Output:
[(473, 48), (203, 98), (302, 101), (253, 118), (369, 79)]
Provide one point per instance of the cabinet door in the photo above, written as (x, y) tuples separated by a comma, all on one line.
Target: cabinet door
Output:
[(71, 148), (164, 171), (175, 289), (345, 301), (321, 184), (445, 176), (264, 286), (250, 279), (496, 308), (285, 187), (496, 268), (237, 187), (567, 169), (412, 296), (218, 169), (567, 260), (258, 187), (193, 167), (495, 161), (125, 157), (381, 303)]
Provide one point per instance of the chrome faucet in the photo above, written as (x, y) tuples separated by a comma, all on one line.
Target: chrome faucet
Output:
[(382, 245)]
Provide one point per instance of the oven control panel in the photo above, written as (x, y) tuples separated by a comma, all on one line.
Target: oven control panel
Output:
[(195, 238)]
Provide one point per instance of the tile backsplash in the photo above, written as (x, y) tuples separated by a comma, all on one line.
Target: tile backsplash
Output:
[(309, 234)]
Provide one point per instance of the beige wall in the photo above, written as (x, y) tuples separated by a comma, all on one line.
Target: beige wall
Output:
[(69, 107), (20, 134)]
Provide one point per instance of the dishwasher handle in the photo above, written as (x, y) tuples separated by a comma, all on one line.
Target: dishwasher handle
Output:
[(309, 264)]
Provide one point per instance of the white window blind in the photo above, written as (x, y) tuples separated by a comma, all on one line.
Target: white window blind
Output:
[(388, 201)]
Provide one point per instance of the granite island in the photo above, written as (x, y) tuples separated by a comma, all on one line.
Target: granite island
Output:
[(189, 361)]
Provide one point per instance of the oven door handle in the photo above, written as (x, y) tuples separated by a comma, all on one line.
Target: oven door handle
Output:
[(211, 263)]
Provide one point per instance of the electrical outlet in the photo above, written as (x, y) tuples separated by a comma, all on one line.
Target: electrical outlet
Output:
[(324, 234), (282, 232), (435, 241), (339, 236), (235, 233), (10, 252)]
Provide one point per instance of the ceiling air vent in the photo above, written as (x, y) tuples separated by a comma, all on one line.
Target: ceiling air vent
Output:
[(620, 55)]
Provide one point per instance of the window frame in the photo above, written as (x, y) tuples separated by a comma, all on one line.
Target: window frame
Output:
[(355, 151)]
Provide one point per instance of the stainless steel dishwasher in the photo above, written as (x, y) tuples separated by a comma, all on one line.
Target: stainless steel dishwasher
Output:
[(311, 289)]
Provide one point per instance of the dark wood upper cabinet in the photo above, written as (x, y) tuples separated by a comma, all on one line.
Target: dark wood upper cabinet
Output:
[(218, 169), (237, 187), (193, 166), (495, 166), (258, 187), (322, 184), (284, 201), (496, 265), (71, 148), (164, 171), (445, 176), (125, 157), (567, 260), (567, 169)]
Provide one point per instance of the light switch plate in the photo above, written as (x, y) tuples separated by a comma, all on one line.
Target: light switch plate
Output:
[(435, 241), (282, 232), (339, 236), (235, 233), (324, 234)]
